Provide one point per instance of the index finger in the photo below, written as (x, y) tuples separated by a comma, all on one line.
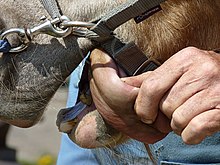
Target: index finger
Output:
[(158, 82)]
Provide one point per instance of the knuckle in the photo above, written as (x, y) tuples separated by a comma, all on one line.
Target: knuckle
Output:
[(188, 53), (197, 127), (185, 57), (166, 106), (140, 112), (143, 115), (192, 140), (151, 86), (178, 121), (191, 49), (210, 68), (197, 132)]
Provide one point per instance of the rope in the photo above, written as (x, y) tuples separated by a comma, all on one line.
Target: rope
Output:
[(5, 46)]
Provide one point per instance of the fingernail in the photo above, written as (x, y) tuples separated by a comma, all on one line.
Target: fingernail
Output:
[(146, 121)]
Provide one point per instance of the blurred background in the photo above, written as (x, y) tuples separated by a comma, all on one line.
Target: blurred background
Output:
[(38, 145)]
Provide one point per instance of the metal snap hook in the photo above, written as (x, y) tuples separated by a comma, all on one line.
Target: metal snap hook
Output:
[(51, 28)]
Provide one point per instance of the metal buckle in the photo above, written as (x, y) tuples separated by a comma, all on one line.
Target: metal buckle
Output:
[(51, 28)]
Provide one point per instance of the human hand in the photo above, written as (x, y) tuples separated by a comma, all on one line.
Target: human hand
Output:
[(114, 99), (186, 88)]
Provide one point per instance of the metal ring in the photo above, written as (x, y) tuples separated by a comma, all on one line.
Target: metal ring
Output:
[(20, 33)]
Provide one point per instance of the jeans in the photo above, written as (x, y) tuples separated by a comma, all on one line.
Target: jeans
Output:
[(172, 150)]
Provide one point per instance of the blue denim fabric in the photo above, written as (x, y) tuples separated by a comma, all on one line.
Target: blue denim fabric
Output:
[(169, 151), (70, 153), (172, 150), (130, 153), (173, 163)]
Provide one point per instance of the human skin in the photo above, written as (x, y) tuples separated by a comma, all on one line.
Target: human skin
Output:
[(203, 63), (114, 99), (188, 95)]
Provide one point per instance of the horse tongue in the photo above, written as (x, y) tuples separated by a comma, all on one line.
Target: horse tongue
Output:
[(68, 118)]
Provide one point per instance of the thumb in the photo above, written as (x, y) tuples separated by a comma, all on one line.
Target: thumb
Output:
[(107, 80), (136, 81)]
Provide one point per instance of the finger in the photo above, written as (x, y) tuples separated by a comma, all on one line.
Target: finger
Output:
[(101, 105), (108, 82), (127, 122), (160, 81), (162, 123), (136, 81), (203, 125), (198, 103), (152, 90), (189, 84)]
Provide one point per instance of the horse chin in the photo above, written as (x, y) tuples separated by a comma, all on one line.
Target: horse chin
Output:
[(93, 132)]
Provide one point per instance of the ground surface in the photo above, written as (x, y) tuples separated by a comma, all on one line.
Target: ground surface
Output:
[(43, 138)]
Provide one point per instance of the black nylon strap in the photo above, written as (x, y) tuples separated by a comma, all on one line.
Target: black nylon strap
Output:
[(122, 14), (129, 57)]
